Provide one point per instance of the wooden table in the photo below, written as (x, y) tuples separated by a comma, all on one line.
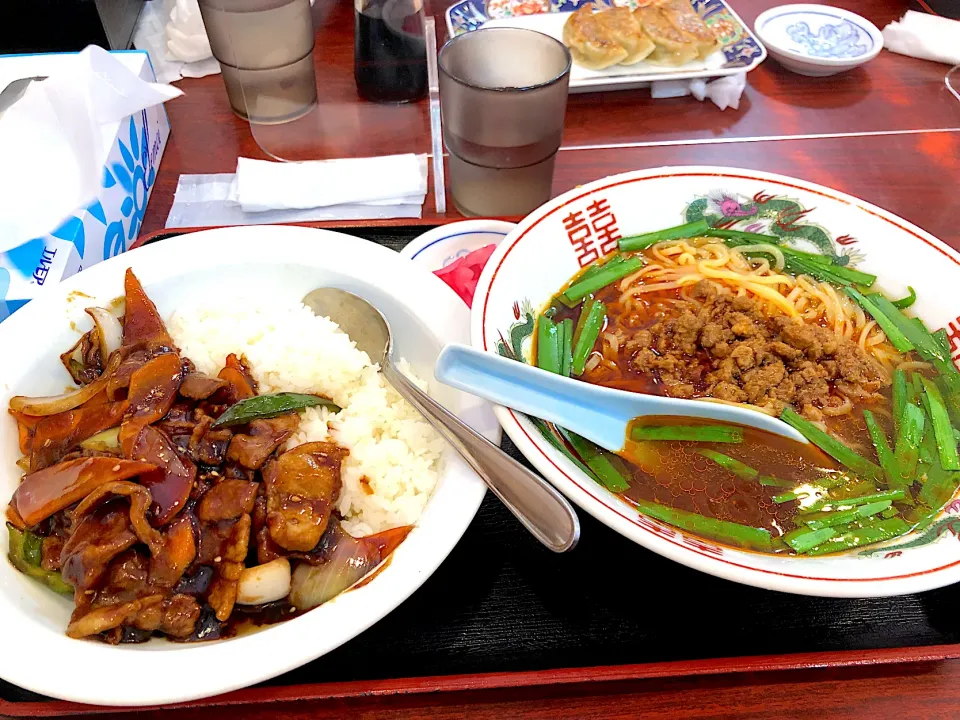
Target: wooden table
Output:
[(889, 133)]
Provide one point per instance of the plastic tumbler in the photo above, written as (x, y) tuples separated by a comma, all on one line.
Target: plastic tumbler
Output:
[(265, 51), (503, 96)]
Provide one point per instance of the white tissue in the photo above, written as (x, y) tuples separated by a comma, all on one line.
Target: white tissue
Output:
[(265, 185), (928, 37), (204, 200), (724, 92), (186, 35), (53, 143), (172, 33)]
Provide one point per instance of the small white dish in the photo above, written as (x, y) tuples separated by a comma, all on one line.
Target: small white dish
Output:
[(818, 40), (439, 247), (436, 249)]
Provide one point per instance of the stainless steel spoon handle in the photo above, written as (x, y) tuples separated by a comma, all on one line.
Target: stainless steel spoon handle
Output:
[(532, 500)]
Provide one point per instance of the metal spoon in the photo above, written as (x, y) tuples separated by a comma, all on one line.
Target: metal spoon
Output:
[(535, 503)]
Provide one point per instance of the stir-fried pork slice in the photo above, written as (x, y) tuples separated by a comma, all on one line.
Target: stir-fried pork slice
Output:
[(139, 504), (50, 490), (251, 449), (180, 615), (302, 486), (208, 446), (170, 485), (50, 551), (227, 500), (131, 579), (171, 552), (197, 386), (86, 621), (229, 539), (125, 579), (267, 549), (153, 388), (99, 537), (180, 420)]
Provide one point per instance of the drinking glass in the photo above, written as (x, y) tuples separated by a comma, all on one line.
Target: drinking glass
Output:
[(265, 51), (503, 95)]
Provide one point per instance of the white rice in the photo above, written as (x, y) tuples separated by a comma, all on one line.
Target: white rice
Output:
[(291, 349)]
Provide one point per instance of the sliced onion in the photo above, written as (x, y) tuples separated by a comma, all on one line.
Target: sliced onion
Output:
[(109, 331), (349, 561), (264, 583), (53, 404), (105, 441)]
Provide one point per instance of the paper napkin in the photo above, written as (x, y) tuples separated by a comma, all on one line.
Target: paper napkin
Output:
[(928, 37)]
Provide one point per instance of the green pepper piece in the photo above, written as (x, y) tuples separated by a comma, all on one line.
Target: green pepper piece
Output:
[(32, 548), (51, 579)]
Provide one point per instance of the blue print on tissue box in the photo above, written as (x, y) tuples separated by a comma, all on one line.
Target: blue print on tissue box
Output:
[(104, 228)]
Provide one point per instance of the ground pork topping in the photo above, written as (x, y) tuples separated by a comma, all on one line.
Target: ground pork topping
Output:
[(727, 348)]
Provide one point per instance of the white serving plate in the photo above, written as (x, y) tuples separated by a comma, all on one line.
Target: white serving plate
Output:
[(741, 51), (898, 252), (179, 272)]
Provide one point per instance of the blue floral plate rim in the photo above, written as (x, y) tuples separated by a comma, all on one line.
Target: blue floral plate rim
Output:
[(741, 48)]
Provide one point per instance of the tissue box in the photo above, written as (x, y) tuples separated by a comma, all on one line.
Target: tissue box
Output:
[(108, 225)]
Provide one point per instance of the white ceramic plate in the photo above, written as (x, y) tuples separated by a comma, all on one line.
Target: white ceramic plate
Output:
[(740, 50), (571, 230), (183, 271)]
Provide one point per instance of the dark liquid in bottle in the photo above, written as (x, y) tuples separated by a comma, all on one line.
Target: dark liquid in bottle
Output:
[(390, 55)]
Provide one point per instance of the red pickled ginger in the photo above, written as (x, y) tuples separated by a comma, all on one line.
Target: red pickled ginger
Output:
[(463, 273)]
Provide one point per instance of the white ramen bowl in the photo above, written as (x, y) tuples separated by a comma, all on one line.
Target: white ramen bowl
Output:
[(555, 241), (280, 262)]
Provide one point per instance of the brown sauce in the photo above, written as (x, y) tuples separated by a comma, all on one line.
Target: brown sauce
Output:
[(673, 473)]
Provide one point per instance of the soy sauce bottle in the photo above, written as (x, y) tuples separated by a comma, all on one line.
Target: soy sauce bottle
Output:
[(390, 53)]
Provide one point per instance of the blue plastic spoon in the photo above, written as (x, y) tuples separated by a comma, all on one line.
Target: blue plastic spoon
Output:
[(599, 414)]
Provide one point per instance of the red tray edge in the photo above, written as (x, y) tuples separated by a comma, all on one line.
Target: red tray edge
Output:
[(499, 681)]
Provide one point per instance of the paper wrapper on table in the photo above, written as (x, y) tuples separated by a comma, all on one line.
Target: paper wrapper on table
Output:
[(114, 190)]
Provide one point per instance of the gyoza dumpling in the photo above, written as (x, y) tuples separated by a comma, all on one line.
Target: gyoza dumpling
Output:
[(674, 47), (590, 45), (619, 24), (683, 17)]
